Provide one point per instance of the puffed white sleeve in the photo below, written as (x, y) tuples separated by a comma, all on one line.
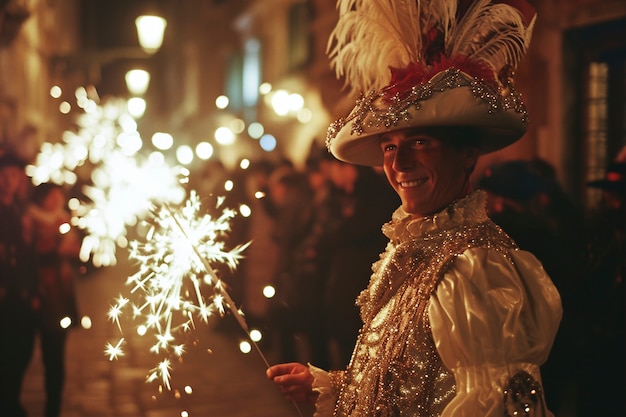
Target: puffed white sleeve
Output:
[(494, 317), (327, 385)]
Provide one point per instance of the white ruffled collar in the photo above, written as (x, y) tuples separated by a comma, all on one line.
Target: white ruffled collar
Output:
[(406, 226)]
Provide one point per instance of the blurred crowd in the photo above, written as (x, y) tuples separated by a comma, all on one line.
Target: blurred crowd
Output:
[(38, 256), (315, 235)]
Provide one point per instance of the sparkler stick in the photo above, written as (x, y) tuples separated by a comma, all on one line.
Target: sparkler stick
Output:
[(223, 292), (229, 301), (179, 246)]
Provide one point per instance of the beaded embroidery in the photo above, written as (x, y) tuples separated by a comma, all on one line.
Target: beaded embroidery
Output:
[(398, 108), (395, 368), (523, 396)]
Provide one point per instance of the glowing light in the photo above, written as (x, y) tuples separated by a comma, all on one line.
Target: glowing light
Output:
[(245, 210), (265, 88), (204, 150), (269, 291), (184, 154), (256, 335), (188, 390), (296, 102), (123, 184), (150, 30), (304, 115), (65, 322), (129, 142), (237, 126), (55, 91), (259, 195), (280, 102), (136, 107), (255, 130), (114, 352), (224, 136), (64, 228), (85, 322), (65, 107), (156, 159), (175, 285), (122, 191), (229, 185), (244, 164), (267, 142), (73, 204), (245, 347), (137, 81), (162, 141), (221, 102)]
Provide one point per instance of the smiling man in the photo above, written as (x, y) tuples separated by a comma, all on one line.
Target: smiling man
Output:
[(427, 168), (456, 318)]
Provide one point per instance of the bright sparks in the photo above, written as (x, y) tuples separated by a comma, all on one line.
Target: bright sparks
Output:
[(176, 283), (114, 352), (123, 183)]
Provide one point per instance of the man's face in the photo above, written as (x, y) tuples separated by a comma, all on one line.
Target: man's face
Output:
[(426, 172)]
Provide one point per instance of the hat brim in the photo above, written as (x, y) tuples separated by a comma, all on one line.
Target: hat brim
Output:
[(460, 106)]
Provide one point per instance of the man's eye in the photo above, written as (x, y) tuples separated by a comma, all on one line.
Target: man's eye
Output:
[(389, 147), (420, 142)]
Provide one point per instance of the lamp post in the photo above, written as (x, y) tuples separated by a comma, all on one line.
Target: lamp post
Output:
[(137, 81), (150, 32)]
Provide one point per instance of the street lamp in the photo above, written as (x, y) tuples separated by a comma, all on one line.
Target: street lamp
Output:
[(150, 31), (137, 81)]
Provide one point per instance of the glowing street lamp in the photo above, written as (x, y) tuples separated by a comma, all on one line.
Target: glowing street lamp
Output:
[(150, 31), (137, 81)]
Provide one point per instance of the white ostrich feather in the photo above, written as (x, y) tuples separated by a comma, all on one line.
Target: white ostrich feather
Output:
[(373, 35), (492, 33)]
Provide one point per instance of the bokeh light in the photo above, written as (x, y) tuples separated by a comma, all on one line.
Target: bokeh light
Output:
[(162, 141), (221, 102), (267, 142), (184, 154), (204, 150)]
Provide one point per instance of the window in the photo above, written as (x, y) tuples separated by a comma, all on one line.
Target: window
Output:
[(595, 102), (596, 134), (299, 35)]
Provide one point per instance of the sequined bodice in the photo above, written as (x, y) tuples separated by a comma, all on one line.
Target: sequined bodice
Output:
[(395, 369)]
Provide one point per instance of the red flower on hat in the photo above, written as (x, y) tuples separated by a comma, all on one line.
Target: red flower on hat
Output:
[(416, 73)]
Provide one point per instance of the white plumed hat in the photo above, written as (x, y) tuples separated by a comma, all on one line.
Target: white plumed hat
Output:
[(429, 63)]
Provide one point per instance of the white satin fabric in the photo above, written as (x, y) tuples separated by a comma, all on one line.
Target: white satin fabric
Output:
[(494, 313), (491, 318)]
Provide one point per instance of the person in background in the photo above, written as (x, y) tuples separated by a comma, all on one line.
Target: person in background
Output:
[(56, 250), (457, 320), (603, 328), (354, 244), (290, 196), (18, 288), (258, 268)]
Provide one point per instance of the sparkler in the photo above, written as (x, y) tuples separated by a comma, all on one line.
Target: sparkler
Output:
[(122, 183), (175, 261), (174, 268)]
